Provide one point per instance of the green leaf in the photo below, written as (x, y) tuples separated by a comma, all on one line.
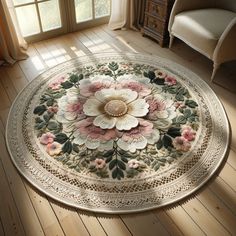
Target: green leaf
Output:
[(191, 103), (41, 125), (159, 81), (174, 132), (38, 120), (50, 102), (181, 120), (124, 159), (66, 85), (172, 89), (67, 147), (121, 164), (74, 78), (61, 138), (120, 173), (52, 125), (46, 117), (114, 173), (157, 166), (113, 66), (112, 164), (179, 97), (159, 144), (108, 159), (145, 74), (39, 110), (151, 75), (75, 148), (108, 153), (187, 113), (167, 141)]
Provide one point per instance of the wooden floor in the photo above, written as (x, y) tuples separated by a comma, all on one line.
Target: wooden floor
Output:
[(25, 211)]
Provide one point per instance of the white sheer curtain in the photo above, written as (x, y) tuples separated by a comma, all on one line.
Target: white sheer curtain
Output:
[(127, 14), (12, 44)]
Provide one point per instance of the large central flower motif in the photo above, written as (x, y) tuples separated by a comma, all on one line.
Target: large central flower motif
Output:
[(116, 108)]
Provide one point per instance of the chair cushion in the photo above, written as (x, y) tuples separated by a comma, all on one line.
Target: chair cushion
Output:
[(202, 28)]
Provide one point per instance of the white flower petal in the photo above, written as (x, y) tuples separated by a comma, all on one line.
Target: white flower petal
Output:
[(91, 107), (105, 122), (162, 124), (138, 108), (92, 143), (106, 146), (79, 139), (60, 117), (126, 122), (126, 95), (162, 114), (70, 115), (133, 145), (154, 137)]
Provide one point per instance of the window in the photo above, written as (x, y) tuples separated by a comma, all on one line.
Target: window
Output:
[(40, 19)]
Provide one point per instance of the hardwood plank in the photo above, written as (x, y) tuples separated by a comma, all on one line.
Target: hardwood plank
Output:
[(225, 193), (167, 222), (144, 224), (228, 174), (9, 216), (204, 218), (217, 208), (33, 65), (7, 85), (184, 221), (69, 219), (27, 214), (232, 159), (113, 225), (41, 205), (91, 223), (5, 101), (17, 77)]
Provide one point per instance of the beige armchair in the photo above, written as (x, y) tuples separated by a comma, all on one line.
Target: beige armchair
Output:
[(208, 26)]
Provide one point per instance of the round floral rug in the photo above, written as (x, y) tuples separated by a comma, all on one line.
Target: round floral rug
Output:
[(117, 133)]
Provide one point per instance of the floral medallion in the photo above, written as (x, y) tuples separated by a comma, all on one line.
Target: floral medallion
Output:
[(96, 129)]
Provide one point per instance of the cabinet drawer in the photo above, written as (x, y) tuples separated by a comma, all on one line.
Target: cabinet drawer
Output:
[(154, 24), (156, 9)]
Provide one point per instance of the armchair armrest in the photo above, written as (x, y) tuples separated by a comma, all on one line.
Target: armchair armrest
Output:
[(225, 51), (187, 5)]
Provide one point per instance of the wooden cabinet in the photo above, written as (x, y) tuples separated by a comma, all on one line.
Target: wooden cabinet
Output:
[(157, 14)]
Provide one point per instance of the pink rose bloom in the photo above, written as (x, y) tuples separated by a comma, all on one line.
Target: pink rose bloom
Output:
[(133, 85), (91, 88), (181, 144), (188, 133), (179, 105), (88, 129), (100, 163), (139, 137), (54, 148), (133, 164), (170, 80), (47, 138), (56, 84), (53, 109)]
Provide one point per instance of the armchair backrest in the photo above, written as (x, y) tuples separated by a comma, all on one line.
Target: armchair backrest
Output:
[(226, 4)]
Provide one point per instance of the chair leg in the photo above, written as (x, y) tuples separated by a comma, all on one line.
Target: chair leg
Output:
[(215, 68), (171, 40)]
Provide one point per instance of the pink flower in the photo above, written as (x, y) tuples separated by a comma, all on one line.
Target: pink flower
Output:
[(100, 163), (170, 80), (181, 144), (53, 109), (56, 84), (179, 105), (47, 138), (133, 85), (90, 89), (133, 164), (188, 133), (138, 137), (54, 148), (87, 128)]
